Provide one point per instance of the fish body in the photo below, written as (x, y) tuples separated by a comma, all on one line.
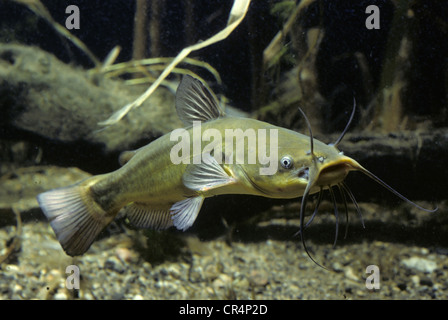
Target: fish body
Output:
[(164, 183), (151, 177)]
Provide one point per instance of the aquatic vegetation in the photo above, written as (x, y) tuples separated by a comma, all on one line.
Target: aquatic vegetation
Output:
[(150, 68), (236, 15), (388, 88), (143, 70)]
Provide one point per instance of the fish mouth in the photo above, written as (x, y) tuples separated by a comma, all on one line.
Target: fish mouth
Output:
[(335, 171)]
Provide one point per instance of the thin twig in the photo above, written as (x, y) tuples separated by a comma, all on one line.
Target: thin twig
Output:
[(17, 240)]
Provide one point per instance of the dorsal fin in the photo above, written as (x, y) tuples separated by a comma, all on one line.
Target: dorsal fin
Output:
[(195, 103)]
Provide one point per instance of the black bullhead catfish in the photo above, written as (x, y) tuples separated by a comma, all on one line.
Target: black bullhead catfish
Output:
[(164, 183)]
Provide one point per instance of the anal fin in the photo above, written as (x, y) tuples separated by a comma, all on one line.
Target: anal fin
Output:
[(142, 216)]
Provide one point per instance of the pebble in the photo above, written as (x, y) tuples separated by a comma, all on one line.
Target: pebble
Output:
[(415, 280), (196, 274), (350, 274), (113, 263), (60, 296), (420, 264), (12, 268), (125, 255), (222, 281), (258, 278)]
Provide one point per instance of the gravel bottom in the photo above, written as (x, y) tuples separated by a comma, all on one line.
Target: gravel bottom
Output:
[(253, 255), (139, 264)]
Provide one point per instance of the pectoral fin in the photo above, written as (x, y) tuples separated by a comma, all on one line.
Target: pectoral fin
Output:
[(206, 175)]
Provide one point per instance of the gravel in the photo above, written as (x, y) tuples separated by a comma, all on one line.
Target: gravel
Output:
[(140, 264)]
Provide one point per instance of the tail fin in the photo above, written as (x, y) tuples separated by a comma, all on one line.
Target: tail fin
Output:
[(74, 216)]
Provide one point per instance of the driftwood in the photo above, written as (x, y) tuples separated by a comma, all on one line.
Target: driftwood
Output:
[(412, 162), (41, 95)]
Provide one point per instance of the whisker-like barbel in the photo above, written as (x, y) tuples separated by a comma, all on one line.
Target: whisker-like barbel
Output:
[(344, 201), (352, 197), (336, 215), (333, 173), (347, 126), (395, 192)]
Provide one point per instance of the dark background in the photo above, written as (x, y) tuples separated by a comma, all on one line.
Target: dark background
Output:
[(105, 24)]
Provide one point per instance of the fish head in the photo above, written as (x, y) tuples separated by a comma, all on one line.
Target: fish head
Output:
[(297, 167)]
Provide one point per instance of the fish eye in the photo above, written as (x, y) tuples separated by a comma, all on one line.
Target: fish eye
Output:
[(286, 162)]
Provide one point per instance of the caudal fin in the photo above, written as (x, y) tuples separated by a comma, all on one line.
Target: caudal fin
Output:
[(74, 216)]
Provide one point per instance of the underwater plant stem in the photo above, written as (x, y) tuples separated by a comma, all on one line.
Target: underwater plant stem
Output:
[(154, 27), (389, 98), (140, 20), (189, 22), (275, 46)]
